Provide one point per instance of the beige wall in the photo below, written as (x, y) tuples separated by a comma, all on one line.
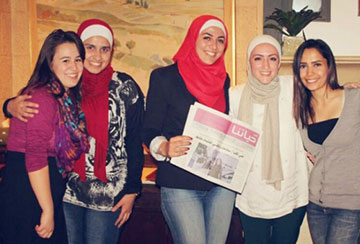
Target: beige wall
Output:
[(5, 51), (18, 43)]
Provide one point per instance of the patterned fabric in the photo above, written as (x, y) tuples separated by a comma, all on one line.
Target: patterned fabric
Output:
[(94, 193), (71, 138)]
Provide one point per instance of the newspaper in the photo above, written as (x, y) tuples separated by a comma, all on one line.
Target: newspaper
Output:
[(222, 150)]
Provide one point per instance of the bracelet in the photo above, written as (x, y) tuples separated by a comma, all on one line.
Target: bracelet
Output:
[(167, 159)]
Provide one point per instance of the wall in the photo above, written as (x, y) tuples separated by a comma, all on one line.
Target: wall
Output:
[(16, 46), (248, 21), (342, 33), (5, 51)]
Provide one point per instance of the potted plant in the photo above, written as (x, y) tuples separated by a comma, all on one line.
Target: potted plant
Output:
[(290, 24)]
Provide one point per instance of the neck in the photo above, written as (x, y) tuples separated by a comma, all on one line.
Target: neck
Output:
[(322, 96)]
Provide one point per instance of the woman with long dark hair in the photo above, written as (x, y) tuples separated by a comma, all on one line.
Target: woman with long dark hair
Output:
[(42, 151), (329, 119)]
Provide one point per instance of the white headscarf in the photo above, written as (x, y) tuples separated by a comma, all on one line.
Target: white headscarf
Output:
[(256, 92)]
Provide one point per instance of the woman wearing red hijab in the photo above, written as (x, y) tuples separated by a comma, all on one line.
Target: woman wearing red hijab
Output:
[(196, 210), (102, 188)]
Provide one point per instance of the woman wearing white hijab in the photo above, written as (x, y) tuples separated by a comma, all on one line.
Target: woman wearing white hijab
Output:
[(272, 204)]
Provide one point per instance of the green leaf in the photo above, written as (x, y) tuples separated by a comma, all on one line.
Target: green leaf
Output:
[(293, 22)]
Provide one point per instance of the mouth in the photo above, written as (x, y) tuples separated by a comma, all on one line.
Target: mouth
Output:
[(211, 54), (72, 75), (311, 81), (265, 73), (96, 64)]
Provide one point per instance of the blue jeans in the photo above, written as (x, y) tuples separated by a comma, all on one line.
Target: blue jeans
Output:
[(87, 226), (201, 217), (332, 225), (282, 230)]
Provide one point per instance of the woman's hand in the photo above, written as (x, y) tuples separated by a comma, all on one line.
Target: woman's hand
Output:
[(352, 85), (311, 157), (46, 227), (126, 203), (175, 147), (22, 109)]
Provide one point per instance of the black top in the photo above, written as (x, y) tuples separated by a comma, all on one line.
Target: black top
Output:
[(318, 132), (167, 105)]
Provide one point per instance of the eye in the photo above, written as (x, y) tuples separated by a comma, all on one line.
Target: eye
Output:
[(206, 38), (105, 49), (317, 64), (257, 58), (65, 60), (89, 47), (302, 66), (221, 40), (274, 59), (78, 60)]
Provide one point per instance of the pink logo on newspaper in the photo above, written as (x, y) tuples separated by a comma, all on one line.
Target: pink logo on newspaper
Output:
[(244, 134), (221, 124)]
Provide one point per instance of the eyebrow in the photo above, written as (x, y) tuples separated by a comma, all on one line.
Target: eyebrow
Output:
[(63, 57), (270, 55), (90, 44), (316, 61), (207, 33)]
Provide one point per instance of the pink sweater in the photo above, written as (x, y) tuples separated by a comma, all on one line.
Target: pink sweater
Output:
[(36, 137)]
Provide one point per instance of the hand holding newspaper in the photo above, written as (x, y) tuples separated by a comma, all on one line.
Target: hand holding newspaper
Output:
[(222, 149)]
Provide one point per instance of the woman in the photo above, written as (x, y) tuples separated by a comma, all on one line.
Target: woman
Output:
[(197, 211), (102, 189), (328, 117), (272, 204), (32, 188)]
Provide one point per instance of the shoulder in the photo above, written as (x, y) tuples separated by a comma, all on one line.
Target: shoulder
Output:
[(42, 95), (236, 91), (166, 71), (165, 78), (126, 87), (48, 104), (234, 99), (165, 74), (286, 82), (286, 86), (352, 93)]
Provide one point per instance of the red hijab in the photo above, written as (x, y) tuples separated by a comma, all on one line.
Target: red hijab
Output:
[(205, 82), (95, 101)]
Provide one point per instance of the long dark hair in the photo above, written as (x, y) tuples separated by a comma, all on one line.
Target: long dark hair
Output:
[(42, 74), (302, 96)]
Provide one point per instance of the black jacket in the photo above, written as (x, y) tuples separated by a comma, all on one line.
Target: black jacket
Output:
[(167, 105)]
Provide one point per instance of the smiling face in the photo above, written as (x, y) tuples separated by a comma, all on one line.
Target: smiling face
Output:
[(67, 64), (313, 70), (210, 45), (98, 54), (264, 62)]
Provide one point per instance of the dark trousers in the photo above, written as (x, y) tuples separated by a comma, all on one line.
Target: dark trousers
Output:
[(282, 230), (19, 209)]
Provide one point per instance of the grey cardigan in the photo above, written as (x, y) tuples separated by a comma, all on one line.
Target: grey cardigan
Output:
[(335, 178)]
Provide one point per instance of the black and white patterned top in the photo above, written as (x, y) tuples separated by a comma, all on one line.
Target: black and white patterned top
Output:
[(125, 154)]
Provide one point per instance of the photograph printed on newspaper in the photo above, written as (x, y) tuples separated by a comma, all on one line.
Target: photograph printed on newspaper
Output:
[(222, 148)]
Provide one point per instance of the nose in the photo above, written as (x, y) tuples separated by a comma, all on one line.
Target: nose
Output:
[(75, 65), (213, 44), (266, 63), (97, 54), (309, 71)]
